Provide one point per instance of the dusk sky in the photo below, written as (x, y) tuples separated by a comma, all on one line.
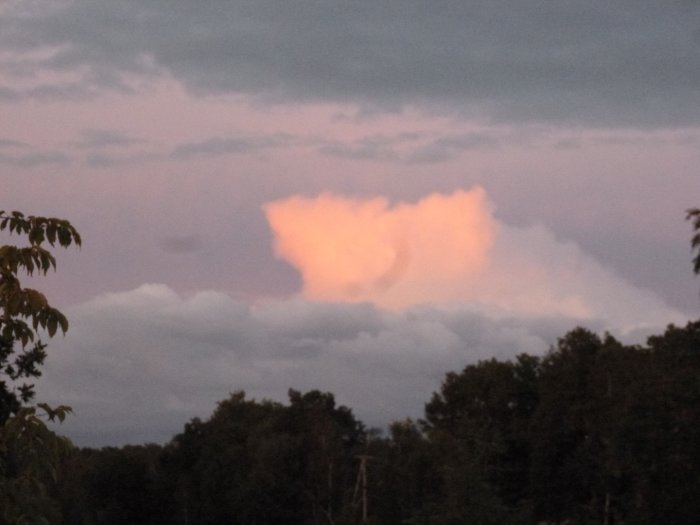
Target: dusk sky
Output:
[(351, 196)]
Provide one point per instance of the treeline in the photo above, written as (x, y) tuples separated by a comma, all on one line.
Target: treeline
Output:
[(594, 431)]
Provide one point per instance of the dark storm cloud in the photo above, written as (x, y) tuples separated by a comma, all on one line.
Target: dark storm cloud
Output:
[(631, 63)]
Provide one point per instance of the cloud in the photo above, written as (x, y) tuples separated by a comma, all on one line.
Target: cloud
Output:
[(628, 64), (99, 159), (218, 146), (534, 272), (137, 365), (360, 250), (34, 158), (376, 148), (450, 146), (106, 148), (12, 144), (409, 148), (63, 91), (181, 243), (448, 249), (105, 138)]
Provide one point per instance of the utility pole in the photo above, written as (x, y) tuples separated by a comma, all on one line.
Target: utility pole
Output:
[(361, 484)]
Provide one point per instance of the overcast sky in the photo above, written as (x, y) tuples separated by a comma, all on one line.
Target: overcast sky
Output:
[(350, 196)]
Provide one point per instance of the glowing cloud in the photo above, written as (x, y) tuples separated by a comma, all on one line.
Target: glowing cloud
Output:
[(449, 250), (394, 256)]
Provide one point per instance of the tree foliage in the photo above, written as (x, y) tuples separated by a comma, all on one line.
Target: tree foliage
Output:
[(693, 215), (25, 312), (250, 462), (30, 453), (30, 460)]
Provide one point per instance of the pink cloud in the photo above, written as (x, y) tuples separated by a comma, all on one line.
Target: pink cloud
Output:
[(394, 256)]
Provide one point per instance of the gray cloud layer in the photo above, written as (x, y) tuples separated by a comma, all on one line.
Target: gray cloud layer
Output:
[(105, 138), (572, 62), (230, 145), (137, 365)]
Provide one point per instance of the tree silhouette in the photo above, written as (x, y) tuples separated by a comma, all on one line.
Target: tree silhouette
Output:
[(693, 215)]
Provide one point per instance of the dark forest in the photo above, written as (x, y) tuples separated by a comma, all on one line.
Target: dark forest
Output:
[(592, 432)]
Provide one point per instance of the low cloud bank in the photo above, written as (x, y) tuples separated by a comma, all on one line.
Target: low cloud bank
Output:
[(137, 365)]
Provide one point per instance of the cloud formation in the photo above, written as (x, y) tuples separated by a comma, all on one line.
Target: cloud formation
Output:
[(28, 159), (230, 145), (448, 249), (106, 139), (627, 64), (394, 256), (137, 365)]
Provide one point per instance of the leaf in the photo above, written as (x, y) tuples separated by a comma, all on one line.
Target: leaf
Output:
[(52, 325), (45, 261), (51, 233), (62, 321), (64, 236), (28, 264), (36, 300)]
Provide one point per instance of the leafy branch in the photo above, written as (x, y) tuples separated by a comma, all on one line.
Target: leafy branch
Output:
[(30, 453), (693, 215), (25, 311)]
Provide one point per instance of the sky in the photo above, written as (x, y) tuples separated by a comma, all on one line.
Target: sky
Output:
[(356, 197)]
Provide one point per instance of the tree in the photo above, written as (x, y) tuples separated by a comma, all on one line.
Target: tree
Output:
[(674, 404), (30, 458), (563, 429), (264, 463), (23, 311), (114, 486), (326, 437), (693, 215), (30, 453), (480, 419)]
